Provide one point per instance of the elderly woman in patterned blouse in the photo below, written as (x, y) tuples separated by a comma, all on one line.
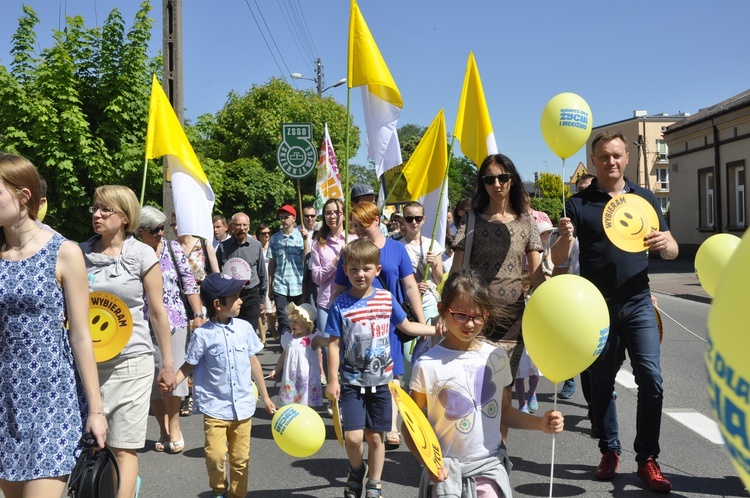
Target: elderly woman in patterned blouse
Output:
[(175, 269)]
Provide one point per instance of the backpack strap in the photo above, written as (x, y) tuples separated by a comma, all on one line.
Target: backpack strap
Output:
[(469, 238)]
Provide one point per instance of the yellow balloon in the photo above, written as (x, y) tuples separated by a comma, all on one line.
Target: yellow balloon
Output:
[(566, 124), (727, 364), (42, 212), (565, 326), (298, 430), (712, 258)]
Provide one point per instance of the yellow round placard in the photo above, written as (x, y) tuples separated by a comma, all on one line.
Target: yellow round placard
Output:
[(110, 324), (627, 219), (419, 428)]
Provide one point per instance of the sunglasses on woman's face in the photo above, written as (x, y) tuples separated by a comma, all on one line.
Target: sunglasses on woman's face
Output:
[(490, 179), (157, 229), (410, 219)]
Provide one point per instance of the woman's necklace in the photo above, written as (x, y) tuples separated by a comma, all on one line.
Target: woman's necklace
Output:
[(19, 248)]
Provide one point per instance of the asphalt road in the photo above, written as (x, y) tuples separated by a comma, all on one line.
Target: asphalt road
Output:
[(696, 465)]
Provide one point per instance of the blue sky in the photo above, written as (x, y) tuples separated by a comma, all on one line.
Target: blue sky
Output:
[(664, 57)]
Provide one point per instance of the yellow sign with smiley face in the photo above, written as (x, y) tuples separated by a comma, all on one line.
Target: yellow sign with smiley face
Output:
[(110, 324), (419, 428), (627, 219)]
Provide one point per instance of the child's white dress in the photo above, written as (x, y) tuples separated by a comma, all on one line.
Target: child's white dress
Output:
[(300, 380), (526, 367)]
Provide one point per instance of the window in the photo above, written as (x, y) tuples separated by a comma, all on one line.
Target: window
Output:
[(662, 151), (662, 178), (706, 197), (736, 193), (664, 203)]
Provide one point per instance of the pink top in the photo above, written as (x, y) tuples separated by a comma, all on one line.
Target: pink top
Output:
[(323, 269)]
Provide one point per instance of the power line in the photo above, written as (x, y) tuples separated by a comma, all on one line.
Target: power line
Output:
[(306, 27), (295, 35), (272, 39), (265, 41)]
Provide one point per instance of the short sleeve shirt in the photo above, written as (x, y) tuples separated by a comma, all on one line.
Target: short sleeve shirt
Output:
[(288, 253), (364, 328), (222, 382)]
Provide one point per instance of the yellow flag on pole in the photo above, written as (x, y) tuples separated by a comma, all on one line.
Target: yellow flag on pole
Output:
[(192, 194), (424, 174), (473, 125), (380, 96)]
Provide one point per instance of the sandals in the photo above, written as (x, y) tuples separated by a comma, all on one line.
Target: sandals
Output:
[(175, 446), (186, 407), (373, 489), (393, 439), (355, 482), (160, 446)]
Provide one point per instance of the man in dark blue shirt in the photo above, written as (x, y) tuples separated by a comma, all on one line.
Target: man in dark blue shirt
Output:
[(622, 278)]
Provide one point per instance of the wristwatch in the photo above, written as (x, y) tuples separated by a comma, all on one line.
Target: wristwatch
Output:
[(199, 315)]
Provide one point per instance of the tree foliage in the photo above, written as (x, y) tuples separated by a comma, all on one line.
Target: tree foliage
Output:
[(551, 186), (78, 110), (246, 133)]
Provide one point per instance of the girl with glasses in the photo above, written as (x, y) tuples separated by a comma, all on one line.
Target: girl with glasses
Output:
[(460, 384)]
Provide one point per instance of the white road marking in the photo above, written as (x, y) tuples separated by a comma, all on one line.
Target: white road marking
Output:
[(697, 422), (626, 379)]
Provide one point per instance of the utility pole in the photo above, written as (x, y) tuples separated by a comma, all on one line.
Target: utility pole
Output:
[(319, 77), (172, 81)]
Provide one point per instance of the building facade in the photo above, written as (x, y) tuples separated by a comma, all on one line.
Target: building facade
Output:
[(649, 154), (708, 156)]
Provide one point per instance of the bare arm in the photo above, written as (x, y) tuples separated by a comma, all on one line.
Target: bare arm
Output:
[(560, 250), (535, 268), (411, 289), (213, 262), (71, 273), (257, 373), (551, 422), (415, 329), (664, 243), (333, 390), (458, 260), (279, 366), (152, 284)]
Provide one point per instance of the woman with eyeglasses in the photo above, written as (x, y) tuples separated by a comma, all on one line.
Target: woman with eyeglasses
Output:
[(502, 234), (176, 275), (43, 410), (119, 264), (267, 318)]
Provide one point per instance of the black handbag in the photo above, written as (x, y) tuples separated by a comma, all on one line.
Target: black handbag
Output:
[(95, 472), (405, 304)]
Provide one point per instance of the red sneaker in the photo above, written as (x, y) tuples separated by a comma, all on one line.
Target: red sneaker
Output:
[(608, 466), (651, 474)]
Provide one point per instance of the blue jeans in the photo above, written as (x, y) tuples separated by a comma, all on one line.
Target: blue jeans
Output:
[(633, 329)]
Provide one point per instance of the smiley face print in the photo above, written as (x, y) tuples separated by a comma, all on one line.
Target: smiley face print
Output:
[(627, 219), (110, 324)]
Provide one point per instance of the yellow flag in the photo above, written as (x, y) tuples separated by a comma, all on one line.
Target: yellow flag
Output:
[(425, 169), (192, 194), (366, 65), (473, 125)]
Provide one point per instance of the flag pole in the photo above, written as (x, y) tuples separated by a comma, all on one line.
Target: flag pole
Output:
[(143, 186), (440, 202), (347, 193), (299, 201)]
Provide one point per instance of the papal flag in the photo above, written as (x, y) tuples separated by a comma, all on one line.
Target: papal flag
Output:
[(425, 173), (192, 195), (380, 96), (473, 125), (328, 185)]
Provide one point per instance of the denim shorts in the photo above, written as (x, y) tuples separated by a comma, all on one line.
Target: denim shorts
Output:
[(361, 408)]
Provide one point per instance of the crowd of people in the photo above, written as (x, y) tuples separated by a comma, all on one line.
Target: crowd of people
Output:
[(353, 311)]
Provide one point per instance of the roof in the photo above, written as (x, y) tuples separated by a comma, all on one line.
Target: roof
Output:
[(651, 118), (738, 101)]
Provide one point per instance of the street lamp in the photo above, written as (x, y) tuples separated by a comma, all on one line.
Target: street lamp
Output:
[(318, 80)]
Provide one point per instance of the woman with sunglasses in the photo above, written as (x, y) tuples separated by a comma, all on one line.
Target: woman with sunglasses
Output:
[(267, 318), (119, 264), (503, 233), (174, 267)]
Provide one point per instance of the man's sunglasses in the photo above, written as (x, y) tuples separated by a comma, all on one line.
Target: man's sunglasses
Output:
[(410, 219), (490, 179)]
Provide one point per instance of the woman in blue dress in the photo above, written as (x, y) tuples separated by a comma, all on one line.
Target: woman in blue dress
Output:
[(44, 408)]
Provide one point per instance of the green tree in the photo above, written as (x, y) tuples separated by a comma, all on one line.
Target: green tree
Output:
[(551, 186), (79, 109), (246, 132)]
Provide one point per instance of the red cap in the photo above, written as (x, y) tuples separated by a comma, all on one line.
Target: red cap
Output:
[(286, 208)]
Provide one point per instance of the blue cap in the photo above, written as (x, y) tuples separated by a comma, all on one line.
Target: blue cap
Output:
[(216, 285)]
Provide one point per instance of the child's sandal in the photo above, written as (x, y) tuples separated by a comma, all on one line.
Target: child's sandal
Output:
[(355, 482), (372, 490)]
